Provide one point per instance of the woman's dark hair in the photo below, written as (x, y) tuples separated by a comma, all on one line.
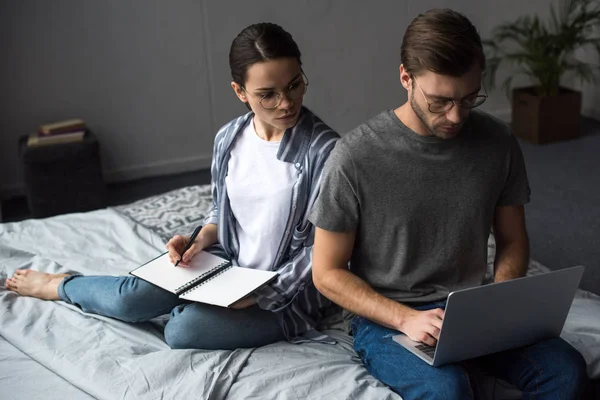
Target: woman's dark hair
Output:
[(258, 43), (442, 41)]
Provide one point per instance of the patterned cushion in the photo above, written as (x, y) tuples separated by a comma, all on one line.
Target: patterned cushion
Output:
[(176, 212)]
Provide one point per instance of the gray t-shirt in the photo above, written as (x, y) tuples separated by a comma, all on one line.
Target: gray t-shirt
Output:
[(422, 207)]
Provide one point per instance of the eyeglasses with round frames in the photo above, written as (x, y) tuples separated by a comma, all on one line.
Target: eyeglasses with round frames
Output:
[(443, 106), (272, 100)]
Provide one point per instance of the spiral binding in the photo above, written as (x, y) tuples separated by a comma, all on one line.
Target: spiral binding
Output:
[(205, 277)]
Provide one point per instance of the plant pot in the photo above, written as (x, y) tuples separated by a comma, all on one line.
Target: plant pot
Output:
[(545, 119)]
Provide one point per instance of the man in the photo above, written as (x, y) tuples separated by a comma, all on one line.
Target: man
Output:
[(409, 199)]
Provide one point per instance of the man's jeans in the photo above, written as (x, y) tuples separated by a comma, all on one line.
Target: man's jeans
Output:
[(191, 325), (551, 369)]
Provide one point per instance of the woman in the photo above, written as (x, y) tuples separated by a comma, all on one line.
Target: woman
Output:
[(265, 177)]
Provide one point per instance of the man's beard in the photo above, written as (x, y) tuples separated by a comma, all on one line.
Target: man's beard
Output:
[(432, 128)]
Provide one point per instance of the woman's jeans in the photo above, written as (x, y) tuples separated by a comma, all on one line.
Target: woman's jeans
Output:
[(551, 369), (191, 325)]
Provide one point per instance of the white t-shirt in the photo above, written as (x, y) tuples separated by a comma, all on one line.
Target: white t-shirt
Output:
[(259, 187)]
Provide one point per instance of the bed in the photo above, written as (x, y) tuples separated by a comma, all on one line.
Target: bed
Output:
[(53, 350)]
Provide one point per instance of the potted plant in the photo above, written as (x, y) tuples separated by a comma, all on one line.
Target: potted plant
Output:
[(545, 52)]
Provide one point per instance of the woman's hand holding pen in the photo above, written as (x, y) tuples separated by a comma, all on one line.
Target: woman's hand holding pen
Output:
[(179, 250), (183, 248)]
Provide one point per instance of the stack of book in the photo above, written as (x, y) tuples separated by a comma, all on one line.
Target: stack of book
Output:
[(72, 130)]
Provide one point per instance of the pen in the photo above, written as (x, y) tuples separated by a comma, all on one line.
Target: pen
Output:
[(189, 244)]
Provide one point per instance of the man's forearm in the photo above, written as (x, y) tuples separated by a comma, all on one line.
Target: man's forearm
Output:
[(511, 260), (352, 293)]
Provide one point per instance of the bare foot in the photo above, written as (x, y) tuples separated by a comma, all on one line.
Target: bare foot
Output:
[(41, 285)]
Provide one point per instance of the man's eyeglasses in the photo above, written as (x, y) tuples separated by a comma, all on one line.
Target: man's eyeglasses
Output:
[(272, 100), (443, 106)]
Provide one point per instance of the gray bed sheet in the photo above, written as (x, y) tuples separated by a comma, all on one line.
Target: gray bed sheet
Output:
[(90, 355), (19, 371), (53, 350)]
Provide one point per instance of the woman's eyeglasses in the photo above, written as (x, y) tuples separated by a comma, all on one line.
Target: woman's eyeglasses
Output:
[(272, 100)]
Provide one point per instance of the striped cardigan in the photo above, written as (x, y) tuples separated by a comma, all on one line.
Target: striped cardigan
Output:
[(292, 296)]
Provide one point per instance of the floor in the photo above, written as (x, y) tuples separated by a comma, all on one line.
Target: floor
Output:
[(563, 217)]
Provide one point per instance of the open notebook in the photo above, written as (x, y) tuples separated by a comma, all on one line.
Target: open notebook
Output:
[(209, 279)]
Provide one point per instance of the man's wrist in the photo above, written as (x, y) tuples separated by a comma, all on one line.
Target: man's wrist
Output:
[(401, 314)]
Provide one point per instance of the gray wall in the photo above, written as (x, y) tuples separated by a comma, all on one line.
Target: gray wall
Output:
[(151, 77)]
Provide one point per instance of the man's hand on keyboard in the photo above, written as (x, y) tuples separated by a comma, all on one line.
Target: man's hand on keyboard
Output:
[(423, 326)]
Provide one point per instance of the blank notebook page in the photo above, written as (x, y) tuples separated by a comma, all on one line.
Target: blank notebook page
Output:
[(230, 286), (162, 273)]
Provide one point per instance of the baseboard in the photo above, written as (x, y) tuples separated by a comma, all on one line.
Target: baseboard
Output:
[(167, 167), (129, 173), (592, 113)]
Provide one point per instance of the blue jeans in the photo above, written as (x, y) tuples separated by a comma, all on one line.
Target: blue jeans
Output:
[(551, 369), (191, 325)]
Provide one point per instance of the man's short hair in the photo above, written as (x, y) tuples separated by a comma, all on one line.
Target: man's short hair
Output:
[(442, 41)]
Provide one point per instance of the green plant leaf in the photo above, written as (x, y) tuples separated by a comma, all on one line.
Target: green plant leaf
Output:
[(544, 51)]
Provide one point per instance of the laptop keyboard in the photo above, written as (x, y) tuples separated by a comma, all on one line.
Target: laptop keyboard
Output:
[(430, 351)]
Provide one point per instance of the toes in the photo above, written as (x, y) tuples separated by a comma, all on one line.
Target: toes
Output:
[(22, 272), (10, 284)]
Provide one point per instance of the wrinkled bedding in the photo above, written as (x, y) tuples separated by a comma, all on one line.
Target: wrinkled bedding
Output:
[(53, 350)]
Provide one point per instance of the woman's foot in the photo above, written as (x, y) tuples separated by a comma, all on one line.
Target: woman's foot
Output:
[(41, 285)]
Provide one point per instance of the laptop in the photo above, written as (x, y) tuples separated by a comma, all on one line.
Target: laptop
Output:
[(500, 316)]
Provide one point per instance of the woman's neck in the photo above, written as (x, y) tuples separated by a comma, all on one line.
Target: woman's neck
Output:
[(267, 132)]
